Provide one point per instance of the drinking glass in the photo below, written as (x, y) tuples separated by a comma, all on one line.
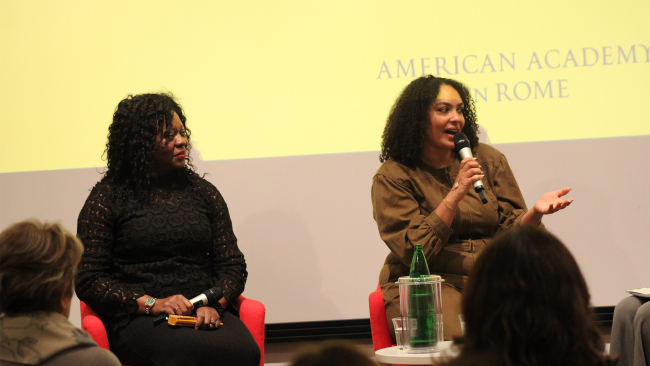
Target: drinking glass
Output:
[(400, 334)]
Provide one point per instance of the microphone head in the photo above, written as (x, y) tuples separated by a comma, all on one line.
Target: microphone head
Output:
[(214, 294), (461, 141)]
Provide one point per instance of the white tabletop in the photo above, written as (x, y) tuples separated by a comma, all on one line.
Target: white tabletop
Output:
[(392, 355)]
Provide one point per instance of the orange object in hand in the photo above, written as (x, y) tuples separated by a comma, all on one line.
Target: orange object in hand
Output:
[(183, 321)]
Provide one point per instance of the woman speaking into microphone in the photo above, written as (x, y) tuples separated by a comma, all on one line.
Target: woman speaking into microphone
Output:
[(423, 192), (157, 234)]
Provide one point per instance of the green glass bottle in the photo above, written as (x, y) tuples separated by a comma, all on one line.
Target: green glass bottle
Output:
[(422, 316), (419, 266)]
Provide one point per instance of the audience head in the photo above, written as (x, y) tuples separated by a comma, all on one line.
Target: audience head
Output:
[(333, 353), (527, 300), (38, 262), (137, 122), (406, 128)]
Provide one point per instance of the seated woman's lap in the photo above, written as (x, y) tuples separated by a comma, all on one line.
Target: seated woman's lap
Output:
[(140, 343), (451, 309)]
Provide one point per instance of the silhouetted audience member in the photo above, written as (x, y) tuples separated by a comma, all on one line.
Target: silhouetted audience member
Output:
[(333, 353), (630, 339), (38, 263), (527, 304)]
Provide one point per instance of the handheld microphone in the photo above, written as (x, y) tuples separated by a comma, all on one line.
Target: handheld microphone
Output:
[(209, 297), (463, 149)]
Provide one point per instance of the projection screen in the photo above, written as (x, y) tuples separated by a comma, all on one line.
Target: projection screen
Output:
[(287, 101)]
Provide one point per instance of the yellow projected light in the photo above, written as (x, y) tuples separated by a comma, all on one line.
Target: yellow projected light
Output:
[(283, 78)]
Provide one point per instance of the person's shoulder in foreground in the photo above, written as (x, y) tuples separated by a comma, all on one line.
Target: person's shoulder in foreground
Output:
[(95, 356), (38, 263)]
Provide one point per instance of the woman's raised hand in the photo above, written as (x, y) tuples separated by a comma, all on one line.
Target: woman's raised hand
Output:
[(551, 202), (470, 172), (548, 204)]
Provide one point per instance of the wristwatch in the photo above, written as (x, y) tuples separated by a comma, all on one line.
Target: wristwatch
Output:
[(148, 305)]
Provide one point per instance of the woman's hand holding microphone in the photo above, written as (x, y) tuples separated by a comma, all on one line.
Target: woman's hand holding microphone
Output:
[(206, 316)]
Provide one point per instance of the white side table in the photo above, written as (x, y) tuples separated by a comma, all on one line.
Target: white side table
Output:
[(394, 356)]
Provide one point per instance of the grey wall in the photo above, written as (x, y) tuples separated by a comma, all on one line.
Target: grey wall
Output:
[(305, 223)]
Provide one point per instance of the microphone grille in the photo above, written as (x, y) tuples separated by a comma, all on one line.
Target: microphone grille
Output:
[(460, 141)]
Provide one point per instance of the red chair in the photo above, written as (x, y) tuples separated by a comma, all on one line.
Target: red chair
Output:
[(251, 312), (378, 322)]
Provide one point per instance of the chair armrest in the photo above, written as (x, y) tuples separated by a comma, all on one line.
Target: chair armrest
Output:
[(381, 337), (252, 313), (91, 323)]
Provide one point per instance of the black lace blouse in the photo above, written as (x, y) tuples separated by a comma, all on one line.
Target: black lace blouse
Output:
[(176, 238)]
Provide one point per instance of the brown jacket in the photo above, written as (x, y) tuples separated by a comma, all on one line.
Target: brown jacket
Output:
[(404, 199)]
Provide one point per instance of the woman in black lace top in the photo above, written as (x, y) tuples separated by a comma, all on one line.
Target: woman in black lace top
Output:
[(156, 234)]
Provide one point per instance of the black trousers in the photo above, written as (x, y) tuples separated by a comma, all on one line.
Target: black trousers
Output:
[(142, 343)]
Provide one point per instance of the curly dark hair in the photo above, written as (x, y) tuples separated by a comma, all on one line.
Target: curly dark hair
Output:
[(406, 128), (527, 301), (131, 145)]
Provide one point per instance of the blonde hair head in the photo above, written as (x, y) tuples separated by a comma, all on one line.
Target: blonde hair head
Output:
[(38, 262)]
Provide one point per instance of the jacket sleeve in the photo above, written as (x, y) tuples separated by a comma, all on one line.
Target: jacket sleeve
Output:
[(400, 222), (509, 198), (228, 264), (94, 282)]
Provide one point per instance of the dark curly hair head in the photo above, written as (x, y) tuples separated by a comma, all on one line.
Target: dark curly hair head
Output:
[(131, 145), (527, 301), (406, 128)]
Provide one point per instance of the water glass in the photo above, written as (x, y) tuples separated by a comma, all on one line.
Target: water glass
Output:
[(400, 333)]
